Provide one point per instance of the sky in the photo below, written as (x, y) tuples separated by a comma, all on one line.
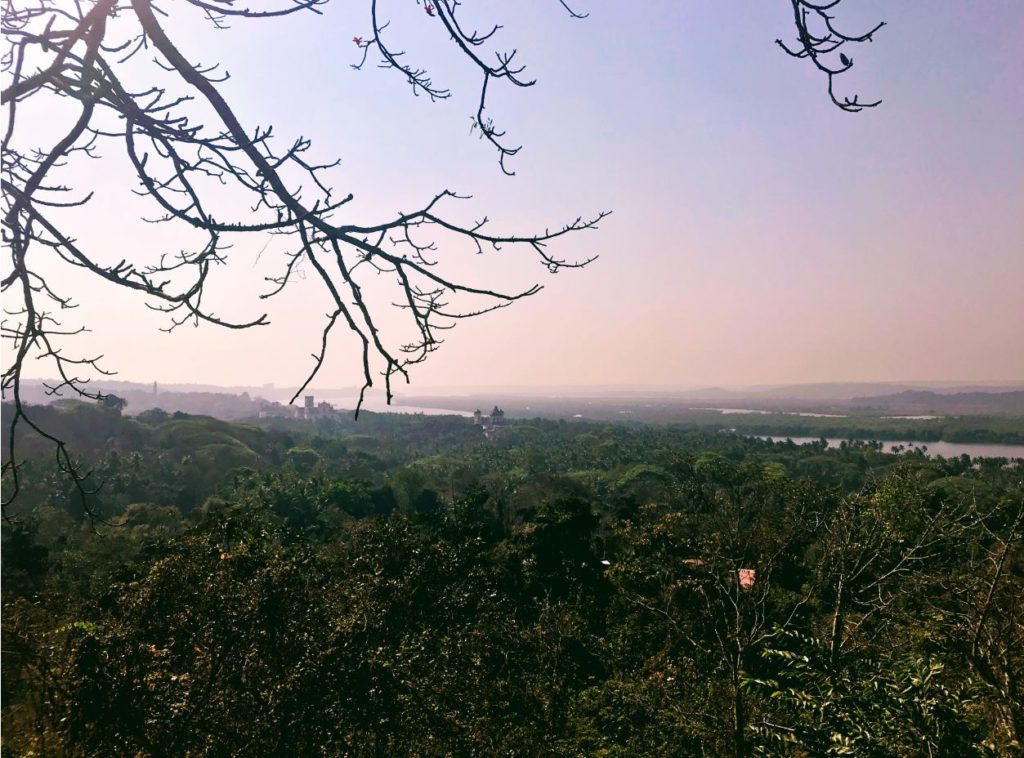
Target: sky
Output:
[(758, 234)]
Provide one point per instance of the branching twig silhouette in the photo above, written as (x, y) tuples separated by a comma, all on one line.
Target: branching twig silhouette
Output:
[(819, 41), (76, 52)]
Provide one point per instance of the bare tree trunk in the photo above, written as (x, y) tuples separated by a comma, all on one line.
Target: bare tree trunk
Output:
[(739, 713), (838, 620)]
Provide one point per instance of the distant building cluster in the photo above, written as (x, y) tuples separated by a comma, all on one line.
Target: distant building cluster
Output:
[(492, 425), (309, 410)]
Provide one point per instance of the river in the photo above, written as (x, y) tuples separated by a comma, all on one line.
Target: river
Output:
[(944, 449), (377, 405)]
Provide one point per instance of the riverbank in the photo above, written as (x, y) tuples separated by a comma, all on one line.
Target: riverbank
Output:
[(933, 449), (798, 421)]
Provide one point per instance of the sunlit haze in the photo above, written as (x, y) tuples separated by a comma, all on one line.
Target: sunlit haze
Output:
[(759, 235)]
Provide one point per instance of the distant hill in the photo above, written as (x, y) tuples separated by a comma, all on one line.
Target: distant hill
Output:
[(219, 402), (823, 391), (958, 403), (232, 403), (850, 390)]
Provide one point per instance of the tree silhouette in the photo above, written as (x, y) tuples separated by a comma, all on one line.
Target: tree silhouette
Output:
[(78, 53), (821, 42)]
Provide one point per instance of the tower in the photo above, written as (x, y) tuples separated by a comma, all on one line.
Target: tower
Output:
[(309, 406)]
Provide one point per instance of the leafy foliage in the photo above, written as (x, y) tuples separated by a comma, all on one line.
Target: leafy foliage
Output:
[(569, 589)]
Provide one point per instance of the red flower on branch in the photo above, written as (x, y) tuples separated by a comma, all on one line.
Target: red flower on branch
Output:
[(429, 8), (358, 40)]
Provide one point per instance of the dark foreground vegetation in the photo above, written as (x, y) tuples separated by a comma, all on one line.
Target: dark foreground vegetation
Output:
[(401, 586)]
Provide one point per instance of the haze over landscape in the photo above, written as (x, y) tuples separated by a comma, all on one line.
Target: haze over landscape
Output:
[(364, 396), (759, 235)]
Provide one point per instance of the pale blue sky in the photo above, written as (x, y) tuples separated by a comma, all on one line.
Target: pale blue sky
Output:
[(759, 234)]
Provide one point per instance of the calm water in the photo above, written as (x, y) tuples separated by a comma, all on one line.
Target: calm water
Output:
[(808, 414), (945, 449), (377, 405)]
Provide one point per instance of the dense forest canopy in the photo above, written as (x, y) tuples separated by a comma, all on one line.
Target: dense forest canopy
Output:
[(402, 585)]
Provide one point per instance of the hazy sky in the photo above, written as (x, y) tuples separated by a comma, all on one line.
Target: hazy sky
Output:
[(759, 235)]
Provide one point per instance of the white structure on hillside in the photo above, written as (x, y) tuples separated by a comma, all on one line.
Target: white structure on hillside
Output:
[(313, 410), (309, 410)]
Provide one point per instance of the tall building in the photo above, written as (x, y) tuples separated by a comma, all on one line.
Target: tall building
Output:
[(310, 406), (492, 425)]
